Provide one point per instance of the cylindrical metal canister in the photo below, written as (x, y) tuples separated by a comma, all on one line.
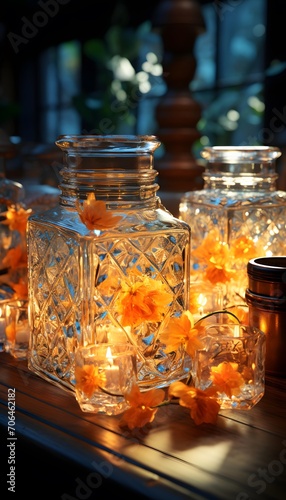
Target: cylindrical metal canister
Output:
[(266, 299)]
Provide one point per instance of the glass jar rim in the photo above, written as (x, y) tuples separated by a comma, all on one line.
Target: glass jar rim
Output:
[(100, 350), (236, 154), (109, 143), (245, 331)]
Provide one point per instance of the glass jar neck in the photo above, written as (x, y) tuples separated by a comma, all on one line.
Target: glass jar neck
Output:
[(117, 169), (241, 168)]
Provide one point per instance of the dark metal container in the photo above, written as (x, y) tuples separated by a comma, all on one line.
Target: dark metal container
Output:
[(266, 299)]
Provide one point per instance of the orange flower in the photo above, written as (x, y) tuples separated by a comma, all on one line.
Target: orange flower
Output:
[(16, 219), (226, 378), (181, 331), (219, 268), (216, 257), (108, 286), (244, 248), (88, 379), (217, 274), (10, 331), (142, 407), (209, 246), (241, 312), (21, 289), (204, 408), (15, 258), (94, 214), (144, 300)]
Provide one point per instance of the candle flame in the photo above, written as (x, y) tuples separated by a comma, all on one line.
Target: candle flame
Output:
[(109, 356), (202, 300)]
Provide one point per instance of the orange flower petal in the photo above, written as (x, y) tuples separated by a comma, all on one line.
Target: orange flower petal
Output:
[(145, 300), (143, 406), (94, 215), (15, 258), (16, 219), (204, 408), (21, 289), (244, 248), (226, 378), (181, 331), (137, 417), (150, 398), (88, 379)]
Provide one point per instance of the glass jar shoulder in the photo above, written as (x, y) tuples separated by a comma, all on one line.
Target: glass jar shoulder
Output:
[(127, 221), (231, 198)]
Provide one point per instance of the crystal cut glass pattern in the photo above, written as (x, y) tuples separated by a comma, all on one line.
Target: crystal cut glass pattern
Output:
[(240, 210), (239, 349), (76, 278), (59, 306)]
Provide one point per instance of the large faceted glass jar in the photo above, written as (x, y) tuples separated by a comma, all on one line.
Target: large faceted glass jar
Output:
[(109, 263), (237, 216)]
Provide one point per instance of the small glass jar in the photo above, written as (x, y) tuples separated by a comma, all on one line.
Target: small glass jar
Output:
[(104, 374), (237, 216), (109, 264), (231, 362)]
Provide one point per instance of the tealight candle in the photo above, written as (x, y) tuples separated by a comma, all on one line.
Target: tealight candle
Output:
[(103, 374), (17, 328), (231, 361), (112, 372), (204, 299)]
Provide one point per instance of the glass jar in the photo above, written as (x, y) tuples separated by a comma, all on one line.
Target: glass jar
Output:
[(13, 217), (237, 216), (109, 264)]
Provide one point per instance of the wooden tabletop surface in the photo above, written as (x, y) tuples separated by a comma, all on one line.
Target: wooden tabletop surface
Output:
[(76, 455)]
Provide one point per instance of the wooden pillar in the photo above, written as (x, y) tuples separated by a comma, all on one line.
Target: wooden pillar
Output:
[(179, 23)]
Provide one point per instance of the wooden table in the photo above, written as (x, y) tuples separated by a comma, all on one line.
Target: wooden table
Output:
[(63, 453)]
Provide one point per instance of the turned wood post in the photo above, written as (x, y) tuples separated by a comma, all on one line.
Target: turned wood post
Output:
[(179, 23)]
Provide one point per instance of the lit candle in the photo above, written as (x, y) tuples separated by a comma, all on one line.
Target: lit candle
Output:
[(236, 330), (111, 371), (202, 301)]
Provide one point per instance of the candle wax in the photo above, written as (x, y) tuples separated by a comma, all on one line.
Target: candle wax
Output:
[(112, 377)]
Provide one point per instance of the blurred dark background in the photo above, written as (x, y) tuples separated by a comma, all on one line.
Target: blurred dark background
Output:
[(69, 66)]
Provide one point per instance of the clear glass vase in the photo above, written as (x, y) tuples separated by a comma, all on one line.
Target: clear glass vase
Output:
[(12, 196), (109, 264), (237, 216), (13, 245)]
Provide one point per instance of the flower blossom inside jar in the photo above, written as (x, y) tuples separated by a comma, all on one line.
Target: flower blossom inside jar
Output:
[(109, 264)]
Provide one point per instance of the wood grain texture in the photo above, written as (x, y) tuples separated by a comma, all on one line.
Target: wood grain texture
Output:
[(242, 457)]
